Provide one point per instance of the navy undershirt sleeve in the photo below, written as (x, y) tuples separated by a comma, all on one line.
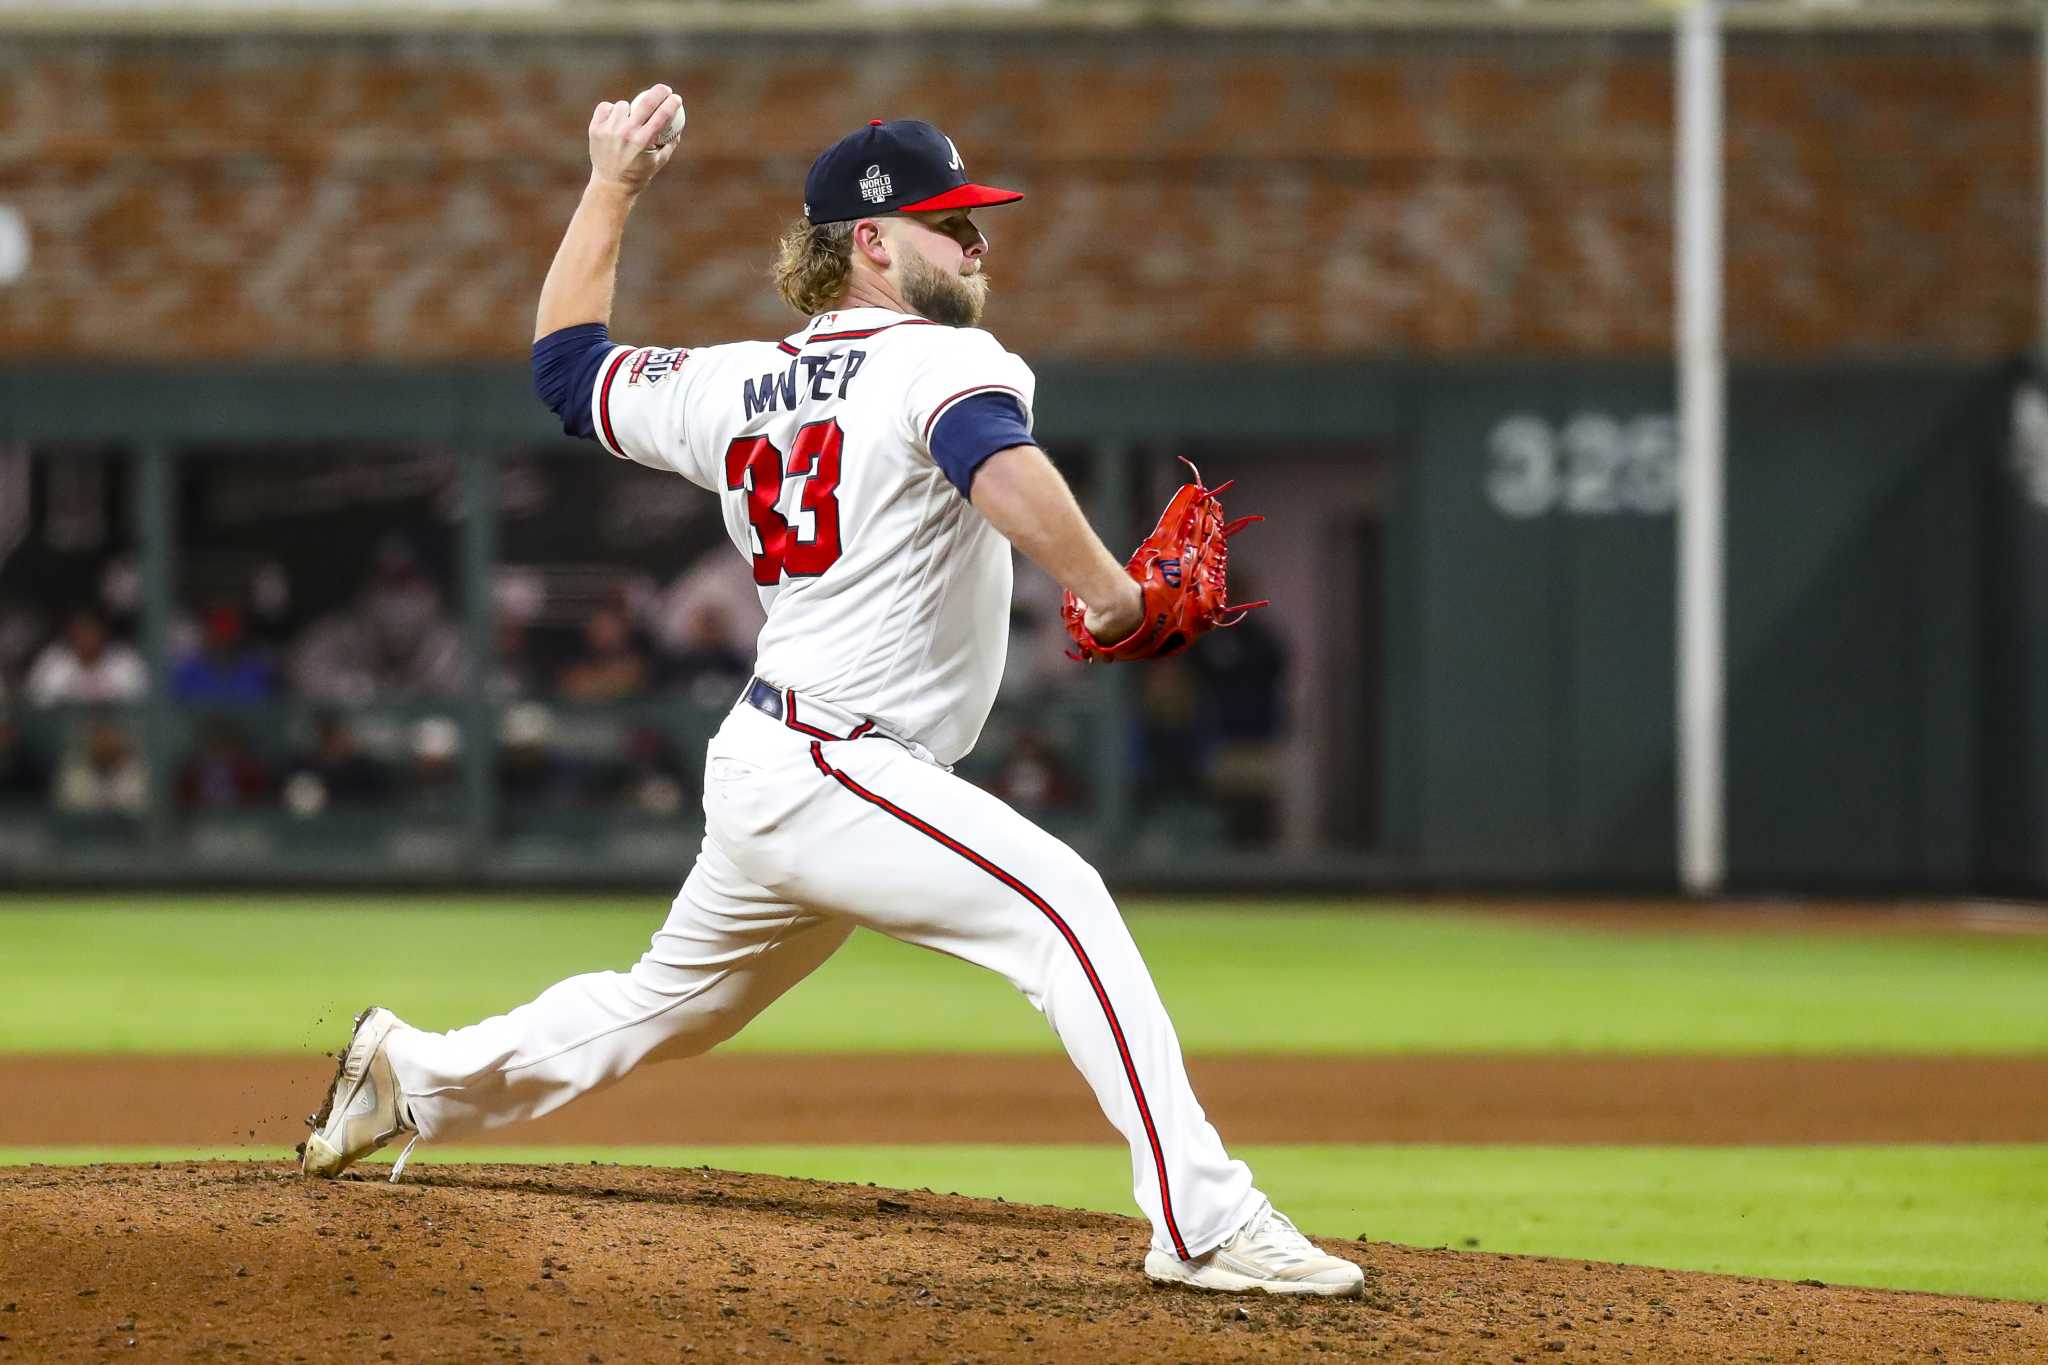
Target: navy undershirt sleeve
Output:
[(974, 429), (565, 365)]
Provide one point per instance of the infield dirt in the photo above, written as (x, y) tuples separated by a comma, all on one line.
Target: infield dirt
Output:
[(250, 1262), (260, 1103)]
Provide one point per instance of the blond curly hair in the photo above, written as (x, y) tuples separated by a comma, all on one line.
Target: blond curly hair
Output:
[(813, 262)]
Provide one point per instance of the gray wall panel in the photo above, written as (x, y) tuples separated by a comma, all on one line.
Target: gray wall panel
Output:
[(1852, 578)]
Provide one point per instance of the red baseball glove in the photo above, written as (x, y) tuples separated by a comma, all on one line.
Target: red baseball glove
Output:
[(1181, 569)]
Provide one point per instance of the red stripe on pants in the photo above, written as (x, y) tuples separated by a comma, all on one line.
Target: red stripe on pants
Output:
[(1101, 995)]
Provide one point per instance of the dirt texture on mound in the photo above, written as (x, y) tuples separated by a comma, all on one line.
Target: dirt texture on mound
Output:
[(248, 1261)]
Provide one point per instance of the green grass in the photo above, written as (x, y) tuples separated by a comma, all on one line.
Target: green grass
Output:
[(258, 975), (1961, 1220), (282, 974)]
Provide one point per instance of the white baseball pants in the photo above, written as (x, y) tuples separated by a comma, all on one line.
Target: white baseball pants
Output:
[(807, 837)]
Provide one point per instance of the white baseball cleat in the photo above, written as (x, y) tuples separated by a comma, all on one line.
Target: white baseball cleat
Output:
[(365, 1107), (1267, 1255)]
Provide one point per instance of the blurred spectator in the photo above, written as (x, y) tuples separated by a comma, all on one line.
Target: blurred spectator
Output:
[(270, 608), (224, 773), (1243, 674), (514, 673), (22, 775), (519, 594), (435, 783), (529, 770), (336, 772), (21, 630), (717, 576), (394, 641), (612, 664), (1170, 734), (1037, 658), (648, 779), (102, 774), (1033, 776), (83, 665), (121, 594), (706, 661), (225, 668)]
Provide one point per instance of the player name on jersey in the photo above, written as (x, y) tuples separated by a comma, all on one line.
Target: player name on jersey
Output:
[(824, 378)]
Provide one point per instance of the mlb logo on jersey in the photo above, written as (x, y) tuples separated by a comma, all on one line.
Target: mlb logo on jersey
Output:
[(654, 364), (875, 187)]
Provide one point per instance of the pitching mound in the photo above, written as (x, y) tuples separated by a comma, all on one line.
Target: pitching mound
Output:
[(246, 1261)]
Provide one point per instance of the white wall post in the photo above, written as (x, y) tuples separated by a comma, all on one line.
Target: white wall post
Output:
[(1702, 382)]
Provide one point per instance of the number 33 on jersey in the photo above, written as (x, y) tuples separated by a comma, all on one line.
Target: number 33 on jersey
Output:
[(886, 584)]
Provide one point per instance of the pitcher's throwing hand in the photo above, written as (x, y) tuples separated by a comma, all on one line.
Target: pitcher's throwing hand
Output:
[(627, 143)]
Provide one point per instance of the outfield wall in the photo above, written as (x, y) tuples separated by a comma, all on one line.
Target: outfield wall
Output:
[(1481, 629)]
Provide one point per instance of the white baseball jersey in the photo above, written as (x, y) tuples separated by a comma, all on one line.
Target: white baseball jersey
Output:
[(888, 596), (887, 593)]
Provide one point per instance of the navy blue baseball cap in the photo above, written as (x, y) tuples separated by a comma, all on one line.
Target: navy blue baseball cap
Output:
[(902, 166)]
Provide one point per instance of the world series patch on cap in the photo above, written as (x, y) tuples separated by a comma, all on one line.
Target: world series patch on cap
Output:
[(901, 166)]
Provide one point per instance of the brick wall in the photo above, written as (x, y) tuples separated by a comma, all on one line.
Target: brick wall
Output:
[(399, 197)]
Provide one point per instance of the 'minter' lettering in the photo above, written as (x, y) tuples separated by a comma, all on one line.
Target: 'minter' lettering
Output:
[(779, 392), (771, 388)]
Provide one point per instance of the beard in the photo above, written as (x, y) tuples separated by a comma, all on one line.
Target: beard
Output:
[(951, 300)]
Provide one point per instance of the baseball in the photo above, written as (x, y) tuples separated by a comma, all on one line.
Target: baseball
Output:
[(670, 133)]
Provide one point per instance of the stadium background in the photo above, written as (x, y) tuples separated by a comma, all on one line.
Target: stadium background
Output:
[(1403, 271)]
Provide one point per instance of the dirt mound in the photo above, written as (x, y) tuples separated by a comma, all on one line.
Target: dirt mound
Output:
[(246, 1261)]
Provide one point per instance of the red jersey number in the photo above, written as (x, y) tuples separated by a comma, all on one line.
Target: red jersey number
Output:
[(755, 467)]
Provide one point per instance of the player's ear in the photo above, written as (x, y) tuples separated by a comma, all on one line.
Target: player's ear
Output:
[(871, 243)]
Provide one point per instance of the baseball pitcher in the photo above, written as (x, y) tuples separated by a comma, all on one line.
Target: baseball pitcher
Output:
[(875, 467)]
